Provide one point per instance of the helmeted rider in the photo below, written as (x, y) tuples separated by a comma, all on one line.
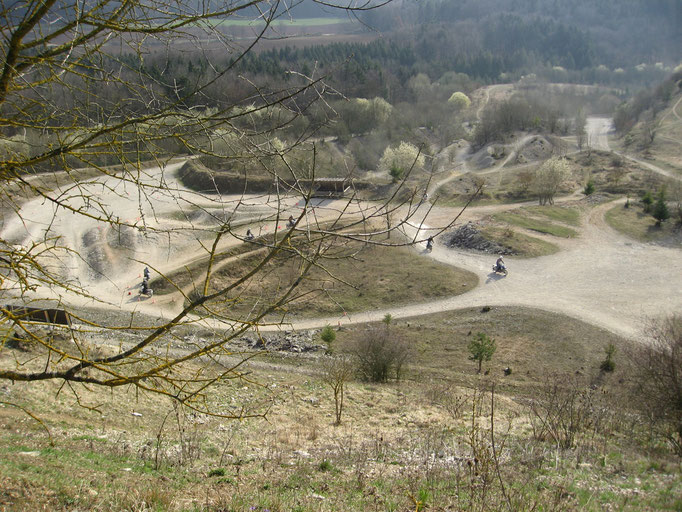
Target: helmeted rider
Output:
[(429, 243), (499, 264)]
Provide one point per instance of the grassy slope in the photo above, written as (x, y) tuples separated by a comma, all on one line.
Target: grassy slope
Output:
[(523, 344), (520, 244), (382, 454), (636, 224), (395, 277), (551, 220)]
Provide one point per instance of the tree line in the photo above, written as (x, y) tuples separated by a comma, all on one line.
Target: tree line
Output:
[(620, 32)]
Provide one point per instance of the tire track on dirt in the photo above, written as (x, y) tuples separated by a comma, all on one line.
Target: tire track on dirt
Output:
[(594, 279)]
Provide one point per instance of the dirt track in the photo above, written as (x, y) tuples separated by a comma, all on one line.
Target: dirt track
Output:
[(599, 277)]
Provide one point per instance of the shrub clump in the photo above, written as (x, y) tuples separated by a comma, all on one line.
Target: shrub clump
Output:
[(380, 355)]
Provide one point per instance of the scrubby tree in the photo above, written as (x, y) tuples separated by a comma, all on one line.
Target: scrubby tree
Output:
[(90, 195), (608, 365), (362, 115), (420, 85), (398, 161), (381, 110), (647, 200), (648, 134), (580, 132), (525, 180), (589, 188), (380, 354), (660, 210), (658, 375), (328, 335), (459, 100), (482, 348), (617, 172), (676, 197), (549, 178), (336, 371)]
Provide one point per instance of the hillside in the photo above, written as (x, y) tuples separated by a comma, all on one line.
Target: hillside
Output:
[(411, 270), (650, 124)]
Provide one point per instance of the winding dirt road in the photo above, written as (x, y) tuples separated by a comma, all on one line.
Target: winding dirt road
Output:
[(599, 277)]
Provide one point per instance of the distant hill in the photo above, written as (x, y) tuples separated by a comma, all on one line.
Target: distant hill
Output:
[(617, 32), (651, 122)]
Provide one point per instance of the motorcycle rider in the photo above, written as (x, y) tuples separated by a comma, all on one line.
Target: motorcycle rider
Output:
[(499, 264), (429, 243)]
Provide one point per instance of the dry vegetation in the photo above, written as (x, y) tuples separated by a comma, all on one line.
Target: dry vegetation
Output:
[(440, 439), (373, 276), (641, 226)]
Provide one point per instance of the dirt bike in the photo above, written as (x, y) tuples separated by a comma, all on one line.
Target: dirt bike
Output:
[(500, 269), (145, 290)]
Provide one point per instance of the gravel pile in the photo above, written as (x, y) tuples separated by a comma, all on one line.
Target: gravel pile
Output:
[(287, 341), (468, 237)]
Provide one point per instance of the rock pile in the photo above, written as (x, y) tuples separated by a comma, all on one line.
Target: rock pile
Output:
[(287, 341), (468, 237)]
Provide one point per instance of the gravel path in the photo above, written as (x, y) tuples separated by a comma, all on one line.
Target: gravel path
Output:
[(599, 277)]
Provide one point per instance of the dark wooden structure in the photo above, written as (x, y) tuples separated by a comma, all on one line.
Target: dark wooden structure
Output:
[(330, 187), (40, 315)]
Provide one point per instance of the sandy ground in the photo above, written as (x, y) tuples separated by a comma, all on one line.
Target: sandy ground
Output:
[(599, 277)]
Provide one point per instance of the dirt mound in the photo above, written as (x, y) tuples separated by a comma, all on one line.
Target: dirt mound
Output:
[(539, 148), (483, 159), (124, 237), (468, 237)]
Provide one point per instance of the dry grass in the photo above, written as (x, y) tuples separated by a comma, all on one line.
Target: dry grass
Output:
[(394, 277), (518, 243), (636, 224), (413, 439)]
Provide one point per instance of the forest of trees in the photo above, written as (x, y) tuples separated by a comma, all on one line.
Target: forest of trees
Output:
[(620, 32), (441, 47)]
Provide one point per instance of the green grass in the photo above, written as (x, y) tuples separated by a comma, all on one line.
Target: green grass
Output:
[(520, 244), (522, 220), (640, 226), (300, 22), (569, 216)]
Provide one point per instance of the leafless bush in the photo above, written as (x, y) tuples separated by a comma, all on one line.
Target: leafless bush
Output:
[(657, 366), (189, 439), (447, 397), (565, 409), (336, 371), (380, 354)]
